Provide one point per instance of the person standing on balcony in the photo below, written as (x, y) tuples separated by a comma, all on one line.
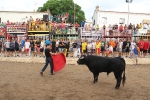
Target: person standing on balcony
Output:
[(130, 29), (82, 24), (121, 29), (77, 26), (125, 29), (140, 26)]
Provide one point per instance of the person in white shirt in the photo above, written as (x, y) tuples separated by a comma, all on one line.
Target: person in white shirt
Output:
[(93, 47), (27, 47), (57, 44), (132, 48), (120, 47), (89, 48), (42, 48)]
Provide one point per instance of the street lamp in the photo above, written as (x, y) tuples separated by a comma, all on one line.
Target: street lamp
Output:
[(128, 1)]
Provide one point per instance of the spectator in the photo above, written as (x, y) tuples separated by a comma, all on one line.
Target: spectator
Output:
[(103, 47), (32, 46), (7, 46), (128, 47), (1, 47), (98, 45), (47, 42), (27, 47), (75, 48), (145, 47), (79, 47), (93, 47), (61, 46), (77, 26), (136, 52), (12, 47), (141, 44), (16, 48), (84, 47), (120, 45), (89, 48), (53, 46), (82, 24)]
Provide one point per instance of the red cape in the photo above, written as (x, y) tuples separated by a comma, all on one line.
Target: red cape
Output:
[(59, 61)]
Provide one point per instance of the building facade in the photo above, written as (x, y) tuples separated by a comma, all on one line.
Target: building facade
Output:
[(19, 16), (101, 17)]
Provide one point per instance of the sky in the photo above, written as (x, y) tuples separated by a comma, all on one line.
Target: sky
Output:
[(88, 6)]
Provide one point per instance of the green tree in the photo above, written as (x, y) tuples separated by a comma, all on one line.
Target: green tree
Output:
[(57, 7)]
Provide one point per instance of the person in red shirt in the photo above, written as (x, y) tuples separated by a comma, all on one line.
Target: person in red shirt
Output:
[(141, 44), (145, 47), (121, 28), (76, 26)]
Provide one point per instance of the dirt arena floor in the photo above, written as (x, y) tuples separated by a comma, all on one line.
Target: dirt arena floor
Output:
[(22, 81)]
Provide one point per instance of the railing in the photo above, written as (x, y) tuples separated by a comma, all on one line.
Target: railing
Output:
[(106, 32), (60, 28)]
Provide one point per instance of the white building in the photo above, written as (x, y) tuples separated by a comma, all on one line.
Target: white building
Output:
[(19, 16), (107, 18)]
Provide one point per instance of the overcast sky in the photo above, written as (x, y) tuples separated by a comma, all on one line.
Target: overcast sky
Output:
[(88, 6)]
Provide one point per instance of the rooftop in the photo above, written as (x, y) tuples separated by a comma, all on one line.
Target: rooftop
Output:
[(21, 12)]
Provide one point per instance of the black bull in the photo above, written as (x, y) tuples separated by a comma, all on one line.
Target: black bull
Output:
[(97, 64)]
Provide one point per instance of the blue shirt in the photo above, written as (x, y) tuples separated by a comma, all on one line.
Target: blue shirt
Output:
[(47, 42), (12, 45), (78, 44), (135, 51), (23, 43), (82, 24)]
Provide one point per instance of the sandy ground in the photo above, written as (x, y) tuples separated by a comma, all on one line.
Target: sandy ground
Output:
[(22, 81)]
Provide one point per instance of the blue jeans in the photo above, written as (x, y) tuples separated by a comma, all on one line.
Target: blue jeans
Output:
[(48, 60)]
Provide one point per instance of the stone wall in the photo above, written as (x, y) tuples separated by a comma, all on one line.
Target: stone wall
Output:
[(70, 61)]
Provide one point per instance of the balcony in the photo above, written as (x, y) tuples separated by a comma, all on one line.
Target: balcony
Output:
[(16, 28), (59, 28)]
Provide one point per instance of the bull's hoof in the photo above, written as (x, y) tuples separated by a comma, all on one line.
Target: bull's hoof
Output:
[(116, 87), (93, 81)]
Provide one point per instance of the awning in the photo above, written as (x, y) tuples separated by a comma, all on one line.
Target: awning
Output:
[(146, 21), (38, 31), (39, 35)]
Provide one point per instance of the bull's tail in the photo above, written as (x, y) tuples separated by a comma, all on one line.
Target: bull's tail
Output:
[(124, 78)]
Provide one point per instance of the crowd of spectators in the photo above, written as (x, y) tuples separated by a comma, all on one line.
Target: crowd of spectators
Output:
[(57, 25), (116, 30)]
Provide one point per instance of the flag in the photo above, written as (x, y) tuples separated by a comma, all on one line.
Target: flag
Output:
[(59, 62)]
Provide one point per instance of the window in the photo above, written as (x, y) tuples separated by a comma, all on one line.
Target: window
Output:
[(121, 21), (104, 20)]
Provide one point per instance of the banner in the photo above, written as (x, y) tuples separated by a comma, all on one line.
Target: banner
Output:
[(59, 61)]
